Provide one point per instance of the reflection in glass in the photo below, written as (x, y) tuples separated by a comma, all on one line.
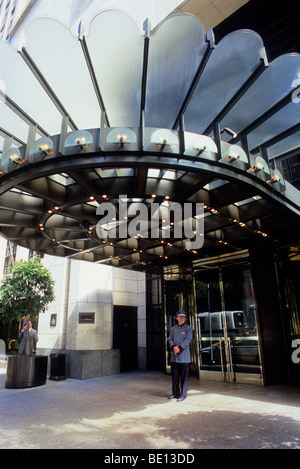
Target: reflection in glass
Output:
[(228, 339)]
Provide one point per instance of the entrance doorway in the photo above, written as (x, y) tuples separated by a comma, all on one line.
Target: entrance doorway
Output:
[(229, 348), (125, 336), (218, 296)]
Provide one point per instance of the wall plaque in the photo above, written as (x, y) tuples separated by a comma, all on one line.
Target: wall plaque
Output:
[(86, 318), (53, 320)]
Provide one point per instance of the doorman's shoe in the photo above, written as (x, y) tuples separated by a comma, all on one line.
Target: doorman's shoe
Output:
[(181, 398), (173, 396)]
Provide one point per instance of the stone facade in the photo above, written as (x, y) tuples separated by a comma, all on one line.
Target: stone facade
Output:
[(93, 289)]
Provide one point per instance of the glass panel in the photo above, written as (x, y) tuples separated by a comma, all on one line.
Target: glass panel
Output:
[(177, 289), (210, 320), (156, 340), (173, 62), (65, 69), (21, 86), (295, 170), (241, 319), (116, 49), (178, 294), (276, 82), (231, 63), (284, 145), (12, 123), (281, 121), (228, 338)]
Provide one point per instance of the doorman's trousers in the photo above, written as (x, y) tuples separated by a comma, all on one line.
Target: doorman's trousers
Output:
[(180, 375)]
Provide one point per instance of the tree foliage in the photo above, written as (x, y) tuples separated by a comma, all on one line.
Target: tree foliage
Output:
[(26, 289)]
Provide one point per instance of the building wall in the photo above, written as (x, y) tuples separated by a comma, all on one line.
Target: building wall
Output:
[(7, 13), (83, 287), (129, 289)]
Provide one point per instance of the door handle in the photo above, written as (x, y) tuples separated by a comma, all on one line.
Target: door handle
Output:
[(231, 373), (221, 357)]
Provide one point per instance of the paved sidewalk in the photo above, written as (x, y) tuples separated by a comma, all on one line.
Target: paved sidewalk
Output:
[(131, 411)]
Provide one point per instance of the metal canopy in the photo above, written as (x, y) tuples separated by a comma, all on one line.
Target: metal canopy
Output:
[(151, 118)]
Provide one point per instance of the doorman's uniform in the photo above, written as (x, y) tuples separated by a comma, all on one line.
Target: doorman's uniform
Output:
[(180, 336)]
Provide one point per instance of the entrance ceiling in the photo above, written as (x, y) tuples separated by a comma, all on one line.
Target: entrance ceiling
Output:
[(162, 118)]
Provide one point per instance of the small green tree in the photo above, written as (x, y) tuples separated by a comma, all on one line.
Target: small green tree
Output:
[(26, 290)]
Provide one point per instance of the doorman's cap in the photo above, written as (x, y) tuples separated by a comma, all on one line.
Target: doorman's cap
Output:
[(181, 313)]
